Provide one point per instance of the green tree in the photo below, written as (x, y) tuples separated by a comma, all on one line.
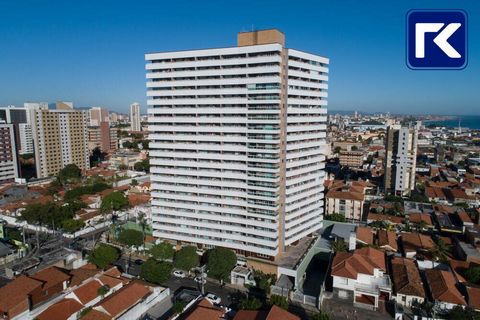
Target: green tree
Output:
[(279, 301), (178, 306), (102, 291), (336, 217), (114, 201), (71, 173), (458, 313), (473, 275), (156, 271), (143, 165), (142, 221), (131, 237), (249, 304), (186, 258), (339, 246), (134, 183), (220, 262), (71, 225), (440, 251), (162, 251), (320, 316), (103, 255), (122, 167)]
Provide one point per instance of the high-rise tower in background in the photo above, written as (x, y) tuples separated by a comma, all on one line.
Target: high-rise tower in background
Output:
[(237, 144), (97, 116), (400, 159), (60, 138), (135, 124), (8, 154)]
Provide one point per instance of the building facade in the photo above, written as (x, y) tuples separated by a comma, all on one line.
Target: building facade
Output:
[(60, 138), (400, 159), (8, 154), (103, 137), (352, 159), (237, 144), (22, 128), (98, 115), (135, 123)]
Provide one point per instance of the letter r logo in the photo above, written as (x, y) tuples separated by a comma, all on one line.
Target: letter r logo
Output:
[(436, 40)]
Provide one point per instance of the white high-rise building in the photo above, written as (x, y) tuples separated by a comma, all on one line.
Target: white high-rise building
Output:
[(400, 159), (135, 124), (237, 144)]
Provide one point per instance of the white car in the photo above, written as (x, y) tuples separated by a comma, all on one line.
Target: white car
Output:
[(214, 299), (200, 280), (179, 274)]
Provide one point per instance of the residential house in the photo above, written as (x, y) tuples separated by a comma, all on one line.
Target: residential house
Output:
[(275, 313), (361, 277), (407, 283), (65, 309), (444, 289), (14, 297), (415, 243), (473, 297), (54, 281), (364, 235), (387, 240), (204, 309)]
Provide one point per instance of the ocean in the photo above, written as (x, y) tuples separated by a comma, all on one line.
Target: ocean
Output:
[(471, 122)]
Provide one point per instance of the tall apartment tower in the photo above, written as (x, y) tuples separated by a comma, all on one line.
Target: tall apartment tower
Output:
[(400, 159), (237, 144), (97, 116), (8, 154), (60, 138), (20, 119), (135, 124)]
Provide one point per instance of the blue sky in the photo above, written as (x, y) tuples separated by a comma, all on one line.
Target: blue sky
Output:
[(92, 52)]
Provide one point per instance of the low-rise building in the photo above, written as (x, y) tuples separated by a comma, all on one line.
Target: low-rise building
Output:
[(415, 243), (347, 199), (352, 159), (361, 277), (444, 289), (407, 283)]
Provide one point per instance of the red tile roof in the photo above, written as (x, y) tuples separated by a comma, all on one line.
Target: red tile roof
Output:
[(61, 310), (51, 276), (365, 234), (277, 313), (88, 291), (413, 241), (406, 277), (15, 292), (125, 298), (387, 240), (364, 260), (204, 310), (443, 287), (417, 217), (474, 297)]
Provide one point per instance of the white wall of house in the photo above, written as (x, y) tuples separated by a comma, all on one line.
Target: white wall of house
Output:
[(407, 300)]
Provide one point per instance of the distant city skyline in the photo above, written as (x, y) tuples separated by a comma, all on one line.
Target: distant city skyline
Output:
[(93, 53)]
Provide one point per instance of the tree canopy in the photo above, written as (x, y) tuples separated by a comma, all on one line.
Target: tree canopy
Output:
[(335, 217), (131, 237), (186, 258), (89, 189), (156, 271), (103, 255), (279, 301), (143, 165), (162, 251), (339, 246), (249, 304), (70, 173), (473, 275), (220, 262), (114, 201), (52, 215)]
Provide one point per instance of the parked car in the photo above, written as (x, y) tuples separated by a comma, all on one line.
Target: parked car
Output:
[(179, 274), (214, 299), (200, 280)]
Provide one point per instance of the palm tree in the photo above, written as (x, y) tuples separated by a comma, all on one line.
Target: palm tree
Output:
[(440, 251), (339, 246), (143, 224)]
